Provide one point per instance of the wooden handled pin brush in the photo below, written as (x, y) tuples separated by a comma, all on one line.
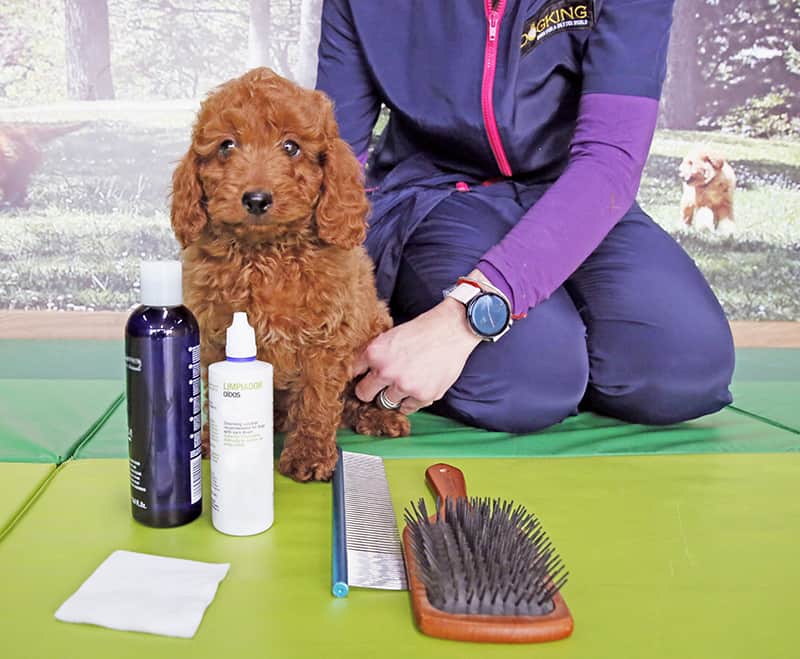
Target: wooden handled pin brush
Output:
[(482, 569)]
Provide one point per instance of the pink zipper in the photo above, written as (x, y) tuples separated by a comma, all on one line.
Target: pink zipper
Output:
[(494, 15)]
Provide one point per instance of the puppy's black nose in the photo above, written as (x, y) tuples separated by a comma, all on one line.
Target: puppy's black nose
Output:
[(257, 201)]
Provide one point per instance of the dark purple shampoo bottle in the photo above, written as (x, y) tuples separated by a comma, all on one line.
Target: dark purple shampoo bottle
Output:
[(162, 358)]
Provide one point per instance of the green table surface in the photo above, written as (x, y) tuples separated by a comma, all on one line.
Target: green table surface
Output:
[(19, 485), (767, 385), (670, 556)]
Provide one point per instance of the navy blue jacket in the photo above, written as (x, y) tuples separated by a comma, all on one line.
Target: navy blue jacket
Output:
[(427, 61), (485, 89)]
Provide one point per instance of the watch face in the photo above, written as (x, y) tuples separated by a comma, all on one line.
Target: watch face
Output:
[(488, 314)]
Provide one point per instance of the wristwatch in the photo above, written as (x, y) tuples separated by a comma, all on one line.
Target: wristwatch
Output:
[(488, 310)]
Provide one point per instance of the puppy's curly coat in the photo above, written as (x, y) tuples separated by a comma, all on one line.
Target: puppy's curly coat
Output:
[(269, 207)]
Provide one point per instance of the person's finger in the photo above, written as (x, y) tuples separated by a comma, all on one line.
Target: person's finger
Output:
[(411, 405), (393, 394), (369, 386), (360, 365)]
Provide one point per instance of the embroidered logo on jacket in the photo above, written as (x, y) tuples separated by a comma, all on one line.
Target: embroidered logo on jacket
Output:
[(557, 17)]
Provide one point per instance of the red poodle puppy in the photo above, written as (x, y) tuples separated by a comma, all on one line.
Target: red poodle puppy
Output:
[(269, 207)]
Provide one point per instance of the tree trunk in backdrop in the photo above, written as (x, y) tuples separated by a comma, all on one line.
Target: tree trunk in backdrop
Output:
[(310, 20), (259, 38), (683, 86), (88, 50)]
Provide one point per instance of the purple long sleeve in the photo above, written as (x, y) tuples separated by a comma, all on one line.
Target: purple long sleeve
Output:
[(607, 155)]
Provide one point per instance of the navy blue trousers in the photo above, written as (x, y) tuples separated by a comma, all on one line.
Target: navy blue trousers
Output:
[(635, 333)]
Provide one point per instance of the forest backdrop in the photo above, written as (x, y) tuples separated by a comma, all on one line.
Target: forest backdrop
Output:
[(134, 71)]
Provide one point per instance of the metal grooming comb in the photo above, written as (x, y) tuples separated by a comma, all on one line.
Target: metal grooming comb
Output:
[(366, 544)]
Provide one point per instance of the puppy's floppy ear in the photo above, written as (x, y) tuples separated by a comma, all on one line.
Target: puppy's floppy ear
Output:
[(343, 207), (188, 215)]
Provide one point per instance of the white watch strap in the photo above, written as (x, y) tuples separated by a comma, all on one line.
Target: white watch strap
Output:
[(464, 292)]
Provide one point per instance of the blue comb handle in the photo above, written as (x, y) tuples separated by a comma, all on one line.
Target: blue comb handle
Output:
[(339, 555)]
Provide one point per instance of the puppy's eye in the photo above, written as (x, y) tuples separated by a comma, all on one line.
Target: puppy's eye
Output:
[(226, 146), (291, 148)]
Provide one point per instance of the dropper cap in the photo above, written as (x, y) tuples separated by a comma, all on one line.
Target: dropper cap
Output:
[(161, 283), (240, 341)]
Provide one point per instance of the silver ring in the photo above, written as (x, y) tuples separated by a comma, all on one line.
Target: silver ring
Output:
[(384, 401)]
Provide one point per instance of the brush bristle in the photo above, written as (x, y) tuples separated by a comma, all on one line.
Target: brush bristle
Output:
[(485, 556)]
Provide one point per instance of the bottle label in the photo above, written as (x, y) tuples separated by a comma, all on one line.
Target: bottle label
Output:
[(196, 455), (196, 467), (240, 421), (243, 416), (164, 419)]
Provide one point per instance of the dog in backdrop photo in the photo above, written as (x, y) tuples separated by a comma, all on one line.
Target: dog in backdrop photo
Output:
[(708, 185), (269, 207), (21, 155)]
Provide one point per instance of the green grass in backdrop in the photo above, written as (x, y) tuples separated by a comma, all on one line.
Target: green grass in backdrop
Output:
[(100, 203)]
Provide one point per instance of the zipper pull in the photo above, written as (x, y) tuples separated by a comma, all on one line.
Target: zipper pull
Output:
[(492, 25)]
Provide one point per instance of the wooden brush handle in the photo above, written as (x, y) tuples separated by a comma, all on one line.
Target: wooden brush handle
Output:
[(446, 481)]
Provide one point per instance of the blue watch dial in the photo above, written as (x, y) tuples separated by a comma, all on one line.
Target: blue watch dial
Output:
[(488, 314)]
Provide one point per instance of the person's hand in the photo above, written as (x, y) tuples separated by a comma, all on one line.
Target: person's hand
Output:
[(418, 361)]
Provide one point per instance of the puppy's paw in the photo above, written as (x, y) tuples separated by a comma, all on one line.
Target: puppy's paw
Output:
[(307, 462), (381, 423)]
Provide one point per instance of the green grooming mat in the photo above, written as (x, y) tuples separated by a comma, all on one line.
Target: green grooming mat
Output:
[(44, 420), (54, 394), (583, 435), (670, 556), (19, 484), (76, 359), (767, 385)]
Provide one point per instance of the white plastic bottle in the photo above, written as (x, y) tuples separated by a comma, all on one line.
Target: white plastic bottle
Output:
[(240, 419)]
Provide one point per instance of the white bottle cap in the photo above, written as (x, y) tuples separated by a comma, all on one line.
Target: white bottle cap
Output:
[(240, 341), (161, 283)]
